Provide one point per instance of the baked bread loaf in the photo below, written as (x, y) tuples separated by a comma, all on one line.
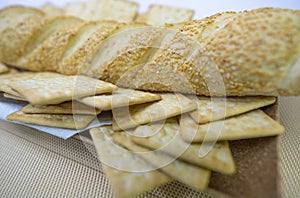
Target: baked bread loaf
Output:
[(245, 53)]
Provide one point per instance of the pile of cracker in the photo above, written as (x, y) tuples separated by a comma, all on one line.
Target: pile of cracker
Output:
[(154, 138)]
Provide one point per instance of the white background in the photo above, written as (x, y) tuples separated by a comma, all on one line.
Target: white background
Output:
[(202, 7)]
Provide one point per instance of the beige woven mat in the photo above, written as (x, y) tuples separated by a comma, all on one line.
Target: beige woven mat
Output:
[(35, 164)]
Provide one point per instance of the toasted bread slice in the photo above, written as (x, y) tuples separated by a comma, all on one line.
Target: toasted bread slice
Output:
[(110, 49), (12, 18), (47, 46), (85, 42)]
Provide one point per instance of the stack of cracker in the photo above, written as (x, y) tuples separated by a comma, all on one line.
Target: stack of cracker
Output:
[(154, 138), (50, 97), (180, 138), (62, 101)]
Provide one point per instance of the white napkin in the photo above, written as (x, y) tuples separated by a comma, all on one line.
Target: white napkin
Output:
[(8, 106)]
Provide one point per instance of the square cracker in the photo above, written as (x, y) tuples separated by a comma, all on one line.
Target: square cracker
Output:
[(14, 97), (3, 68), (123, 168), (52, 120), (161, 14), (120, 98), (193, 176), (253, 124), (169, 106), (63, 108), (6, 79), (116, 10), (75, 8), (123, 10), (212, 109), (52, 10), (166, 137), (58, 89), (12, 71)]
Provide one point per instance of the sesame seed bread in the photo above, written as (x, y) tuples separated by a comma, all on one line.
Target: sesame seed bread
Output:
[(245, 53)]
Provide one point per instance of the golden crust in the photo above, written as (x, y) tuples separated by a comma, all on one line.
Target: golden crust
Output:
[(109, 50), (132, 55), (255, 50), (183, 55)]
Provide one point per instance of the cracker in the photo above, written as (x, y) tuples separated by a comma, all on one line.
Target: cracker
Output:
[(90, 9), (52, 10), (167, 138), (212, 109), (7, 95), (116, 160), (253, 124), (8, 78), (58, 89), (3, 68), (142, 17), (188, 174), (117, 10), (52, 120), (74, 8), (63, 108), (169, 106), (120, 98), (12, 71), (160, 14)]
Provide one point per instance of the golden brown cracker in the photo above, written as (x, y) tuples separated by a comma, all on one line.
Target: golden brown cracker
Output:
[(161, 14), (212, 109), (253, 124), (120, 98), (52, 120), (14, 97), (63, 108), (167, 138), (3, 68), (186, 173), (170, 105), (122, 167), (58, 89)]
